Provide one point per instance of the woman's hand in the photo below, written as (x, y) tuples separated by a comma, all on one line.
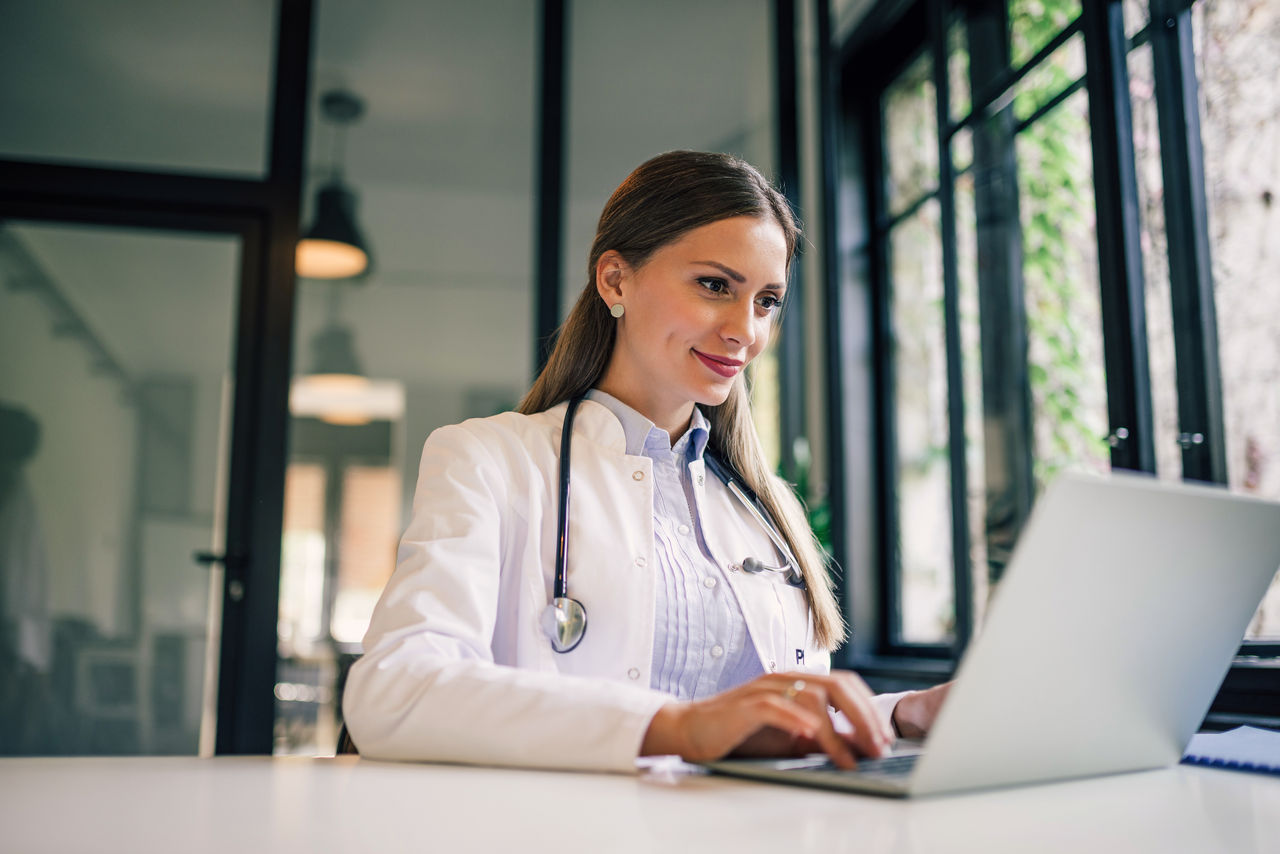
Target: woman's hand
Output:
[(915, 713), (783, 714)]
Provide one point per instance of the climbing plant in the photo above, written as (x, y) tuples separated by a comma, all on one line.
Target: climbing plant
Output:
[(1063, 313)]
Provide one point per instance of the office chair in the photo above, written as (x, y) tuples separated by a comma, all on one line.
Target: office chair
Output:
[(345, 744), (345, 660)]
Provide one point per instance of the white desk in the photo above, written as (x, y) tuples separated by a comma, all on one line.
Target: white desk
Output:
[(245, 805)]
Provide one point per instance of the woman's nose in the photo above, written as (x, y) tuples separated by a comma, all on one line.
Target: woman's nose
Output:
[(738, 325)]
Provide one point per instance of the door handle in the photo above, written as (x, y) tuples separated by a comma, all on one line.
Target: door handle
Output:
[(232, 560)]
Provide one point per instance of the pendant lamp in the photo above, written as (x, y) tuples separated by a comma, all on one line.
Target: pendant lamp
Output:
[(336, 389), (336, 382), (333, 247)]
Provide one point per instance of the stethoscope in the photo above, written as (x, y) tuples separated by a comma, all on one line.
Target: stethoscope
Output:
[(565, 619)]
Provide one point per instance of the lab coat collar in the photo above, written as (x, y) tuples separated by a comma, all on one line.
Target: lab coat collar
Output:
[(593, 422), (643, 436)]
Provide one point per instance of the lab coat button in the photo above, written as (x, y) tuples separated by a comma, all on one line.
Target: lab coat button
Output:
[(699, 480), (717, 651), (708, 582), (637, 475), (684, 529), (634, 673), (640, 561)]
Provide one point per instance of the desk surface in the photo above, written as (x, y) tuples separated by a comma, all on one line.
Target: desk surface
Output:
[(316, 805)]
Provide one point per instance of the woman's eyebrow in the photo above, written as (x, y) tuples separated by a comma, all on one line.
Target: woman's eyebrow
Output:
[(736, 276), (728, 271)]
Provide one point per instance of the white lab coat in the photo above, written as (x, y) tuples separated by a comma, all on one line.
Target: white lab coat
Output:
[(456, 667)]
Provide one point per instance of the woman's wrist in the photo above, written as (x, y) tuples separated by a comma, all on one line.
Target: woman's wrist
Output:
[(903, 723), (665, 733)]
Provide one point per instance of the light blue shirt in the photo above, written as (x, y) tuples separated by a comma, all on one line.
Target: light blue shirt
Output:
[(701, 645)]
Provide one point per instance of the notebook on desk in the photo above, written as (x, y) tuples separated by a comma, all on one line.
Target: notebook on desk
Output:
[(1115, 622), (1244, 748)]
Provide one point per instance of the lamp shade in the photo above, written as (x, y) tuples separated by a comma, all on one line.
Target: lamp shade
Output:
[(333, 248), (333, 353)]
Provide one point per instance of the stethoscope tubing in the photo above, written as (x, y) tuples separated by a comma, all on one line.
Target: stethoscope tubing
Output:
[(565, 618), (560, 589)]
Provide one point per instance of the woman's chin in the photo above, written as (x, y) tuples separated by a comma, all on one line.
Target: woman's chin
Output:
[(715, 395)]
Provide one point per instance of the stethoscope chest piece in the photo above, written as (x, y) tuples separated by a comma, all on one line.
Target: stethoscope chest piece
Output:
[(564, 621)]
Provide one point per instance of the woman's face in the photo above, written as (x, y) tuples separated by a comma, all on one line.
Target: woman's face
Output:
[(696, 313)]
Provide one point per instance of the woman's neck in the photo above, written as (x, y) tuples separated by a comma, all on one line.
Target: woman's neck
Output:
[(674, 418)]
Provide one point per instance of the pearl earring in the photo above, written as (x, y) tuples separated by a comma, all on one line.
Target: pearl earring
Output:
[(616, 309)]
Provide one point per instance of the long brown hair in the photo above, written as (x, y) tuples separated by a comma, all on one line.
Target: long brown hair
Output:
[(657, 204)]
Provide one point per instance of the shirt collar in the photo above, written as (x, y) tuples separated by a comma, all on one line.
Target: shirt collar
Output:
[(646, 438)]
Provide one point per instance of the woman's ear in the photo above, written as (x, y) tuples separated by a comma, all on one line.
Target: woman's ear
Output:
[(612, 271)]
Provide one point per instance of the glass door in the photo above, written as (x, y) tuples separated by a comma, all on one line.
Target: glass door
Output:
[(116, 386)]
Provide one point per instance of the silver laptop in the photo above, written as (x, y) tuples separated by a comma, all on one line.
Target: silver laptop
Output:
[(1107, 639)]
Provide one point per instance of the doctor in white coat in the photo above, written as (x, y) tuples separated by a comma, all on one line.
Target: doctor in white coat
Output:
[(684, 650)]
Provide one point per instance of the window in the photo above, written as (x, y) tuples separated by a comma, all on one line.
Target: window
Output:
[(1237, 61), (1051, 285)]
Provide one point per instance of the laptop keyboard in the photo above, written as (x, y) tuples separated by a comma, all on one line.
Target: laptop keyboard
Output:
[(889, 768)]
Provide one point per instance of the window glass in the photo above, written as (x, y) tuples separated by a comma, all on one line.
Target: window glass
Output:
[(1136, 16), (150, 84), (911, 135), (438, 330), (1155, 263), (1048, 79), (958, 70), (1238, 62), (370, 535), (765, 403), (971, 366), (302, 554), (1060, 275), (922, 423), (114, 415), (1034, 23)]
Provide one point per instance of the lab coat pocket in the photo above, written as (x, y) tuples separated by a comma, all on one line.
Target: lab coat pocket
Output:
[(797, 636)]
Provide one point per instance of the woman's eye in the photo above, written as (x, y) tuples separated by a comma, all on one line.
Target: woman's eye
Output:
[(713, 284), (769, 303)]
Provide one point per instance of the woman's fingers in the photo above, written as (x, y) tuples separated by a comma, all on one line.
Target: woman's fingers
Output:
[(849, 694), (715, 727), (814, 697), (794, 704), (789, 717)]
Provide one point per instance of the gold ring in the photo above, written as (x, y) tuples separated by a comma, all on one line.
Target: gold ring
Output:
[(794, 688)]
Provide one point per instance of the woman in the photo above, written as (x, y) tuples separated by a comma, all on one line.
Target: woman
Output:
[(472, 654)]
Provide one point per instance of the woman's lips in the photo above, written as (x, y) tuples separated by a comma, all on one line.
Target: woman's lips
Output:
[(723, 367)]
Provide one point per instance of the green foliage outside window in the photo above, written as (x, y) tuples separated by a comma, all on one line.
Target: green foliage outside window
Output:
[(1059, 253)]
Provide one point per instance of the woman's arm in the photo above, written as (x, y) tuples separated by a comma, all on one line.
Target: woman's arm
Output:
[(915, 713), (427, 687)]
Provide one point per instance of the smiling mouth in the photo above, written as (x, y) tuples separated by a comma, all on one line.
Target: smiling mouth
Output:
[(723, 367)]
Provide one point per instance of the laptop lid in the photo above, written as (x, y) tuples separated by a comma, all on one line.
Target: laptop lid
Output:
[(1115, 622)]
